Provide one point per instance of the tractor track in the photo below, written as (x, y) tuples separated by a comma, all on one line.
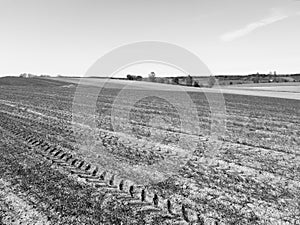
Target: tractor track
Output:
[(135, 196), (243, 168)]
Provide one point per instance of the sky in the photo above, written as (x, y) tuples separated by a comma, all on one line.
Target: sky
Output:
[(230, 36)]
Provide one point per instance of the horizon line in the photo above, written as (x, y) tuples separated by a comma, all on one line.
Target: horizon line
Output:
[(99, 76)]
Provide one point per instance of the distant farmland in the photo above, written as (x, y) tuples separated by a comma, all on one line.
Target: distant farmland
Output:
[(289, 90)]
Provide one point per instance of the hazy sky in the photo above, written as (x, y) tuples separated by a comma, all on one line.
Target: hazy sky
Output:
[(230, 36)]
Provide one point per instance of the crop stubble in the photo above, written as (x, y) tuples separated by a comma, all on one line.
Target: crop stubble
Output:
[(254, 179)]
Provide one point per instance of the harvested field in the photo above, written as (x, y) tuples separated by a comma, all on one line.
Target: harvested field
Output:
[(254, 179), (274, 87)]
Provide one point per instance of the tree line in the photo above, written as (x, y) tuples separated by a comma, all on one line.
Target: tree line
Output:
[(184, 80)]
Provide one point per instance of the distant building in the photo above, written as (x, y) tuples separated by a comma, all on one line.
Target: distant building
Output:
[(27, 75)]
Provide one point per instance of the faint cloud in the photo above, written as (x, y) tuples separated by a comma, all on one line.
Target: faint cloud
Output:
[(276, 15)]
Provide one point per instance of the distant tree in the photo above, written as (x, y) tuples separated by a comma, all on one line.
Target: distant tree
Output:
[(256, 79), (196, 84), (189, 80), (160, 80), (211, 81), (175, 80), (152, 77), (133, 77), (129, 77)]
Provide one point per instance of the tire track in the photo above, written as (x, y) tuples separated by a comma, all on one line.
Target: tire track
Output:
[(133, 195)]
